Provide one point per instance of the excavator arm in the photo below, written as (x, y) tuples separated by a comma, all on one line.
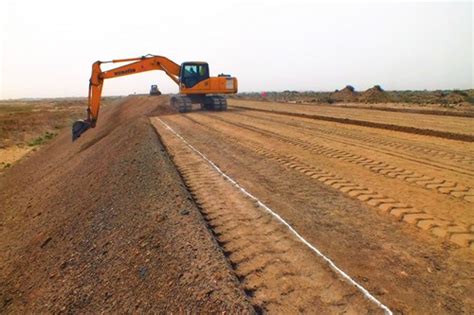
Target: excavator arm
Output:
[(96, 82)]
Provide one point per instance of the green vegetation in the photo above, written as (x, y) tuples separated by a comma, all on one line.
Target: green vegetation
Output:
[(42, 139), (5, 165), (15, 109)]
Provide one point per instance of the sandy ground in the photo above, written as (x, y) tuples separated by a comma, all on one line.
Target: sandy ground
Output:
[(449, 124), (11, 154), (25, 123), (108, 224), (279, 273), (464, 110), (393, 209)]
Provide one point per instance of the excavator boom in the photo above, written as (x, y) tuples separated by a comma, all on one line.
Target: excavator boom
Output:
[(194, 85)]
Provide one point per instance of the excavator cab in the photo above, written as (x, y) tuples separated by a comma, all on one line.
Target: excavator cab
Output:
[(193, 72)]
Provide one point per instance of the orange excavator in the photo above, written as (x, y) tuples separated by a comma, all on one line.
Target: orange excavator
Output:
[(195, 86)]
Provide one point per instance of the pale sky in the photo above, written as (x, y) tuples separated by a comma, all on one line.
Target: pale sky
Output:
[(47, 47)]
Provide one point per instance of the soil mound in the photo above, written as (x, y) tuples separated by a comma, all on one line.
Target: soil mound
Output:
[(375, 95), (105, 224), (453, 98), (347, 94)]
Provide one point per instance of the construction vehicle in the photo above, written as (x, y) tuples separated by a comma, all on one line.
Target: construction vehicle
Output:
[(154, 90), (192, 77)]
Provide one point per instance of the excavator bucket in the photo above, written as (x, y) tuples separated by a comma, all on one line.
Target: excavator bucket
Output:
[(79, 127)]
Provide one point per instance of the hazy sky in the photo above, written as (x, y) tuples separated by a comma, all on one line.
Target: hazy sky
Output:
[(47, 47)]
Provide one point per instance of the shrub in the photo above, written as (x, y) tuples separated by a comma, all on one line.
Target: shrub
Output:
[(42, 139), (462, 93)]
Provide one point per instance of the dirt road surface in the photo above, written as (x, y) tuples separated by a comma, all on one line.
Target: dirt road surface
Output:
[(393, 209), (443, 126), (109, 224)]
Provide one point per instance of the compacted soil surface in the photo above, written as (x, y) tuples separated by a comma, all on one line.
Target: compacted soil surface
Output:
[(425, 123), (392, 208)]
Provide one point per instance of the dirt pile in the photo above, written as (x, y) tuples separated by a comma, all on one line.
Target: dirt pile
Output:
[(453, 98), (347, 94), (375, 95), (105, 225)]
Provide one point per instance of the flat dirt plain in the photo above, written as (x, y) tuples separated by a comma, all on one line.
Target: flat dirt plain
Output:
[(135, 215), (26, 124)]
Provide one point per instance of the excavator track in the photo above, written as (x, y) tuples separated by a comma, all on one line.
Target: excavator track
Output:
[(215, 102), (182, 103)]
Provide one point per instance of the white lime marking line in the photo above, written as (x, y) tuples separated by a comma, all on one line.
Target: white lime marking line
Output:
[(331, 264)]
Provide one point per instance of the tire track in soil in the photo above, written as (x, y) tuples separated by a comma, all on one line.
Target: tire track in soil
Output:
[(277, 272), (363, 123), (438, 185), (403, 110), (416, 149), (459, 234)]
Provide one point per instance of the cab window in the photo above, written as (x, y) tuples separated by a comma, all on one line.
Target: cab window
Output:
[(190, 70), (194, 73)]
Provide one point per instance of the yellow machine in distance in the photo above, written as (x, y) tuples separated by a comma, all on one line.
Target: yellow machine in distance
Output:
[(154, 90), (192, 77)]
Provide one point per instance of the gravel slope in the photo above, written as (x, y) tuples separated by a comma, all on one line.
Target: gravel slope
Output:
[(105, 224)]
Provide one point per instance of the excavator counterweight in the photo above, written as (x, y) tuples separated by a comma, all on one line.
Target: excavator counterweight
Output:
[(195, 86)]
